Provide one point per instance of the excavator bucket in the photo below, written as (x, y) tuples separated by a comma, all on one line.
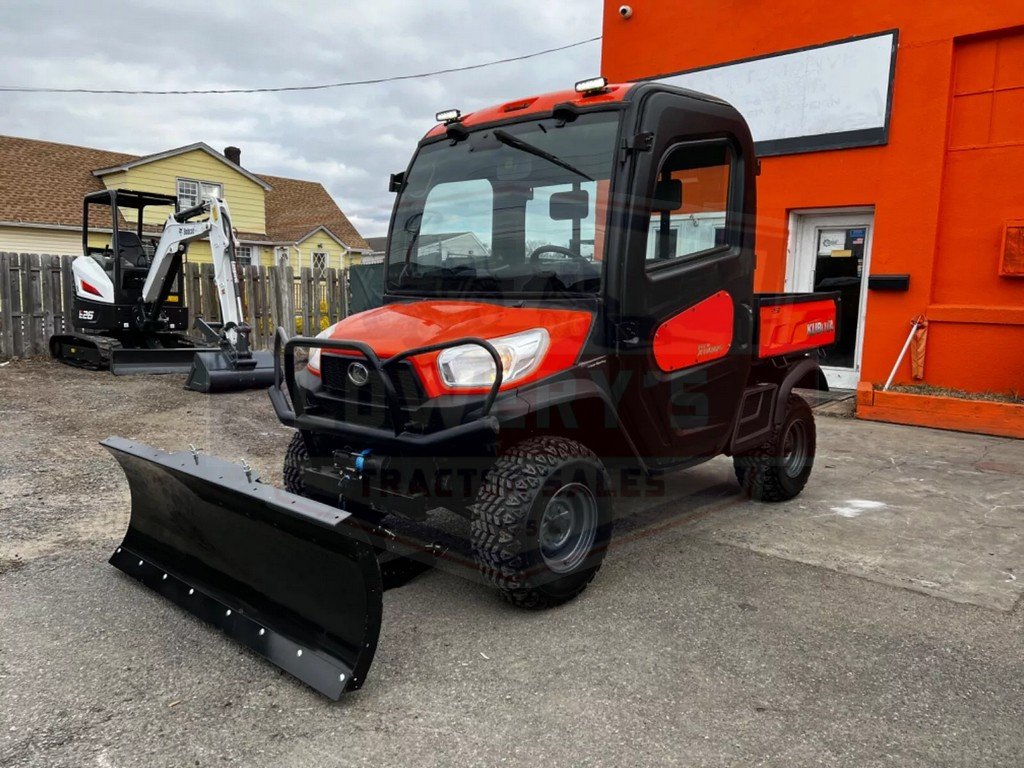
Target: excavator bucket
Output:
[(220, 371), (294, 580)]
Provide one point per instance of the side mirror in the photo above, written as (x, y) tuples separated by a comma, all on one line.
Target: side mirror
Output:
[(570, 206), (668, 196), (397, 180)]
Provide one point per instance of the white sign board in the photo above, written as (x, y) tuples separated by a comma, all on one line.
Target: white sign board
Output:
[(834, 95), (831, 240)]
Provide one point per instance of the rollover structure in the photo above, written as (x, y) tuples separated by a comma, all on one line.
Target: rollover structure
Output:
[(605, 328)]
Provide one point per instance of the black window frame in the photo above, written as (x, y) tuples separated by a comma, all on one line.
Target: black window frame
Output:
[(733, 211)]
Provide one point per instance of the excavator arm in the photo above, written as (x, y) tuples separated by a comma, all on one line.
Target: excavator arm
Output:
[(166, 266)]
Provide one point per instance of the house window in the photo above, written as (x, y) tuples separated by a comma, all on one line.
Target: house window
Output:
[(244, 254), (319, 261), (191, 192)]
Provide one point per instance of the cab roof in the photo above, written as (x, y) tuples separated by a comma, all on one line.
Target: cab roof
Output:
[(542, 104)]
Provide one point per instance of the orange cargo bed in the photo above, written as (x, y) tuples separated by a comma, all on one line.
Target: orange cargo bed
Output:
[(789, 323)]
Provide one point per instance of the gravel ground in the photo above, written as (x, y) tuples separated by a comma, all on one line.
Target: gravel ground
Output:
[(689, 649)]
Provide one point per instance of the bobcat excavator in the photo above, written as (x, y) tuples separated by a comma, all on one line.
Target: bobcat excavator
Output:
[(128, 312)]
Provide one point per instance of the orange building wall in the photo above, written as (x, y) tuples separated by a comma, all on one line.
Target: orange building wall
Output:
[(940, 196)]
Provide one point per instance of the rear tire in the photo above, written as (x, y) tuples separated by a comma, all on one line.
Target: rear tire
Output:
[(542, 521), (778, 469)]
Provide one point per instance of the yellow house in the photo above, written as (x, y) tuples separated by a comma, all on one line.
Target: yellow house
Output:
[(277, 219)]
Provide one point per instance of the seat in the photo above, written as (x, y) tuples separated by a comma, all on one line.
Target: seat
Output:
[(134, 262), (129, 250)]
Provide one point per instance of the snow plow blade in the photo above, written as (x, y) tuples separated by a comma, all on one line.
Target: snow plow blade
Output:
[(294, 580)]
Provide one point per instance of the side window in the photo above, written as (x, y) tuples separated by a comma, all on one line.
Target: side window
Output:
[(689, 206)]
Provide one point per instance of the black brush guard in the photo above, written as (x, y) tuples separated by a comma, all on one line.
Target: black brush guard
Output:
[(399, 438)]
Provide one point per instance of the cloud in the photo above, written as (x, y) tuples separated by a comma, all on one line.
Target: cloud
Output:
[(350, 139)]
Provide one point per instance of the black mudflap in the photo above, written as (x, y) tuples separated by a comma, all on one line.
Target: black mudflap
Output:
[(218, 371), (295, 580)]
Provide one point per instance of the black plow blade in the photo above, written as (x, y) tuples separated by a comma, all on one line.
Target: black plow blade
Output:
[(294, 580)]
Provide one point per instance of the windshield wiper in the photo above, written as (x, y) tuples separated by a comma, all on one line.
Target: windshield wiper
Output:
[(509, 140)]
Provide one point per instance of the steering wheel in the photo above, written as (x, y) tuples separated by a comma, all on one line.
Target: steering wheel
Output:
[(535, 254)]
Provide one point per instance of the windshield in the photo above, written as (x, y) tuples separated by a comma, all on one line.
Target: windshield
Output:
[(515, 209)]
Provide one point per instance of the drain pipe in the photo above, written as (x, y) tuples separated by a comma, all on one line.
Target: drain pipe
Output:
[(915, 324)]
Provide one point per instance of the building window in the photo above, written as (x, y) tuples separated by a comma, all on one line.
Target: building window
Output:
[(244, 254), (192, 192), (319, 263)]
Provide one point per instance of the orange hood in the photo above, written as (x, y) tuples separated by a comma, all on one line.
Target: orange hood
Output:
[(394, 328)]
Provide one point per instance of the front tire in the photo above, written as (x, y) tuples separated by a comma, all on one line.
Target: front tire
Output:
[(778, 469), (295, 458), (542, 521)]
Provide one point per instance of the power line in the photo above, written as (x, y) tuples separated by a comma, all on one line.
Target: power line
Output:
[(320, 87)]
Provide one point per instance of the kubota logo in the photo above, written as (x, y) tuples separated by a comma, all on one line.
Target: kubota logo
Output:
[(358, 374), (820, 326)]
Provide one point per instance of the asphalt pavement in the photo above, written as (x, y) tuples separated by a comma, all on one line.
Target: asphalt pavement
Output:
[(873, 621)]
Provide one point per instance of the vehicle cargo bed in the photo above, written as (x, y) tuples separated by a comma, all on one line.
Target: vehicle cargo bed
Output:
[(786, 323)]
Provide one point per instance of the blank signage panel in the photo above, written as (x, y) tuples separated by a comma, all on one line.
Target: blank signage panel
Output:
[(828, 97)]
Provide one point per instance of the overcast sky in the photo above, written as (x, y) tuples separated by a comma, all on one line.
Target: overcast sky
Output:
[(350, 139)]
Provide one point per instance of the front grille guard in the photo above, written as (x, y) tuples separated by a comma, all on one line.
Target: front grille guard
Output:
[(284, 374)]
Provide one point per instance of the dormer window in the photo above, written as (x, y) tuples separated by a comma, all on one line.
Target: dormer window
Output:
[(192, 191)]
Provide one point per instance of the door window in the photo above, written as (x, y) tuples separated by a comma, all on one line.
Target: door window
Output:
[(689, 204), (839, 267)]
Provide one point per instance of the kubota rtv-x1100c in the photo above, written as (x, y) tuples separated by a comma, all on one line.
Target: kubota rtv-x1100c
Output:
[(569, 304)]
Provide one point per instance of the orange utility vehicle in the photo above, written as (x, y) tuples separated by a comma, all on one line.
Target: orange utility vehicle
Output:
[(594, 321)]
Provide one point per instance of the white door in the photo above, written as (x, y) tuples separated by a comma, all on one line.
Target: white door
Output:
[(832, 252)]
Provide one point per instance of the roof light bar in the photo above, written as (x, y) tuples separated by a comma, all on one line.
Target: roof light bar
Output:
[(448, 116), (591, 85)]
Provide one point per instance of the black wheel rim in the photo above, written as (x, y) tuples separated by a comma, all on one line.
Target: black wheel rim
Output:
[(568, 528), (794, 449)]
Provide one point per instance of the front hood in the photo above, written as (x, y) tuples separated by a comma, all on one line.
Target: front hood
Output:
[(395, 328)]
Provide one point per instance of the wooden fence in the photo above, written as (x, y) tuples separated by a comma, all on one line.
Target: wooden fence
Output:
[(37, 291)]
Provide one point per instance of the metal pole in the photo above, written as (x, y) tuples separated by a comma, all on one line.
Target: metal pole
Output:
[(903, 353)]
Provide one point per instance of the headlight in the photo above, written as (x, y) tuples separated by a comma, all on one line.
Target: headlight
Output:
[(313, 364), (471, 366)]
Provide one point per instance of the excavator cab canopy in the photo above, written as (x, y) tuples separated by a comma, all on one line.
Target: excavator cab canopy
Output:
[(124, 256)]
